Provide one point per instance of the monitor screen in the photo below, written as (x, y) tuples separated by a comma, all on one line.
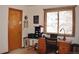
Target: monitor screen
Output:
[(53, 35)]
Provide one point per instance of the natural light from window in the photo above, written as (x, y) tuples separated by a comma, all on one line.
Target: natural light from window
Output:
[(60, 18)]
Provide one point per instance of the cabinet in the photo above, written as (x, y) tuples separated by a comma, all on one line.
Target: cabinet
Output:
[(64, 47), (42, 45)]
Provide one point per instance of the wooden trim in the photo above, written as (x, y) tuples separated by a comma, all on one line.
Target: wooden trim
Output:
[(74, 22), (21, 26), (57, 10), (15, 9), (45, 21), (57, 24), (8, 24)]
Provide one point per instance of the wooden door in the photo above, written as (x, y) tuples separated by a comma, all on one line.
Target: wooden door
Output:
[(15, 29)]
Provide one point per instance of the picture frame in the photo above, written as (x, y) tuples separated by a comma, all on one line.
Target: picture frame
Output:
[(36, 19)]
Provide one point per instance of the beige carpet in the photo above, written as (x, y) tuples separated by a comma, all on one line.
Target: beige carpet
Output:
[(29, 50)]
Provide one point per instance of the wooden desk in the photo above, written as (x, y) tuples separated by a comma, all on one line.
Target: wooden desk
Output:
[(63, 47)]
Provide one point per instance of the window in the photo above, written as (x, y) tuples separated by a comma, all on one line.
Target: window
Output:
[(60, 20)]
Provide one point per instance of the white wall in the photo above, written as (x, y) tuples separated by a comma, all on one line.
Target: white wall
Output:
[(4, 25), (38, 10)]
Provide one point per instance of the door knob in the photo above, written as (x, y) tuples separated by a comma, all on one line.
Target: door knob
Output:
[(20, 22)]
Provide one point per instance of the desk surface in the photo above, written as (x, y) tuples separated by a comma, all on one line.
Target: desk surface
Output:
[(64, 41)]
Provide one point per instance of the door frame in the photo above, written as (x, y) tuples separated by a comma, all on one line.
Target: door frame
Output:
[(20, 25)]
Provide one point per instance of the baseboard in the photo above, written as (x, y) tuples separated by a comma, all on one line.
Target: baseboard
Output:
[(5, 53)]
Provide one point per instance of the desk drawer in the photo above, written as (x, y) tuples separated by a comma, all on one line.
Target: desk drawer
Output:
[(64, 47)]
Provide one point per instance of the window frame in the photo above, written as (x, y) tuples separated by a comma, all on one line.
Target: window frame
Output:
[(57, 10)]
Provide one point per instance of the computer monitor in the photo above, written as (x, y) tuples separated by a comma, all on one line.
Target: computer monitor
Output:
[(53, 35)]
